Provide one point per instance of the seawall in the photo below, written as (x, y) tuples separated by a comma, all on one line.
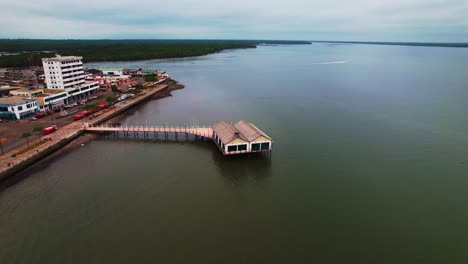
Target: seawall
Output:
[(73, 131)]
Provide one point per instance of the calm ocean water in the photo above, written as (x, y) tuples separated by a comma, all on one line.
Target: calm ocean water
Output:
[(370, 165)]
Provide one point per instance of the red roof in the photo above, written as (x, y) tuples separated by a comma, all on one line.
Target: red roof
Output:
[(224, 131), (246, 131)]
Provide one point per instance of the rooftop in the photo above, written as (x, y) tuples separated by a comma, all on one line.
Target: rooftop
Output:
[(246, 131), (14, 100), (8, 88), (64, 58), (54, 91), (111, 69), (26, 90), (224, 131)]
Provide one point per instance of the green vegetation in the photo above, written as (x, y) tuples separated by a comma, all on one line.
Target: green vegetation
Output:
[(31, 51), (91, 106), (139, 86), (110, 99), (151, 78)]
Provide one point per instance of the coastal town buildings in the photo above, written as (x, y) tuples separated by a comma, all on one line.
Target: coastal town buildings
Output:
[(63, 72), (17, 107), (112, 71), (66, 76), (27, 92)]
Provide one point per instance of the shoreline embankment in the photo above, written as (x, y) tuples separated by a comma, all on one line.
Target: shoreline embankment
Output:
[(70, 133)]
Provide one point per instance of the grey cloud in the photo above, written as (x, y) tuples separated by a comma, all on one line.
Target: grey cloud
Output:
[(294, 19)]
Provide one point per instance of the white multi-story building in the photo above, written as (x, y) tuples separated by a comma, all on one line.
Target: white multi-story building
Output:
[(63, 72), (67, 74)]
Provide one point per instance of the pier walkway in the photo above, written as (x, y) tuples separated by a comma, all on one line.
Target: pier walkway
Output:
[(206, 132)]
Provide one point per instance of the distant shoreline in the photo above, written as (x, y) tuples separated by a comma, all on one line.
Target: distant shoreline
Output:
[(414, 44), (26, 50)]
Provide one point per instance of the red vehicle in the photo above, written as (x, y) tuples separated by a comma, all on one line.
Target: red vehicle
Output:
[(94, 110), (49, 129), (103, 106), (39, 115), (86, 113), (78, 116)]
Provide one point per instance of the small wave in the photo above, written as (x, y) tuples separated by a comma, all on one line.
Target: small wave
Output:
[(331, 62)]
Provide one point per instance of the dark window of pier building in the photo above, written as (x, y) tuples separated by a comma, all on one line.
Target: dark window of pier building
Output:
[(232, 148), (242, 147), (255, 146), (3, 109), (265, 146), (20, 108)]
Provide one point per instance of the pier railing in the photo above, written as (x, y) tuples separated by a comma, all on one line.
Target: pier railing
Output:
[(201, 131)]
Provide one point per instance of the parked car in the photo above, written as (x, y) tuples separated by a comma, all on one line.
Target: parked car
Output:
[(92, 97), (78, 116), (103, 106), (86, 113), (49, 129), (39, 115), (94, 110)]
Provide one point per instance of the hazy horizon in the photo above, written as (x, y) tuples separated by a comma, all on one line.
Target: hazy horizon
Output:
[(239, 39)]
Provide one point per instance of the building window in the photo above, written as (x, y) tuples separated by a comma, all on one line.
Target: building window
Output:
[(255, 146), (242, 147), (265, 146), (232, 148), (20, 108)]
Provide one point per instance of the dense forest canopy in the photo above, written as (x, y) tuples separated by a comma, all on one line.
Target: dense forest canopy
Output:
[(31, 51)]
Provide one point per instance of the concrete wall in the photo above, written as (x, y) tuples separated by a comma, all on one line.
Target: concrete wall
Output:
[(28, 161)]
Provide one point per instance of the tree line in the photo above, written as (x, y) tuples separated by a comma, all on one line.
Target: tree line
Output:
[(32, 51)]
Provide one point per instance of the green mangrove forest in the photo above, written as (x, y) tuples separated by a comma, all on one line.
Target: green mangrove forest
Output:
[(28, 52)]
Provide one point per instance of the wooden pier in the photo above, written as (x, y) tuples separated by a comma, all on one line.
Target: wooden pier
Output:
[(242, 138), (206, 132)]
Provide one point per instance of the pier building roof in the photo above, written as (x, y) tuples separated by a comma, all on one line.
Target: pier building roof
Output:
[(243, 130), (248, 131), (225, 131)]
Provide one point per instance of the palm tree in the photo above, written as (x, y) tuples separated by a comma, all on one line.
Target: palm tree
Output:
[(26, 135)]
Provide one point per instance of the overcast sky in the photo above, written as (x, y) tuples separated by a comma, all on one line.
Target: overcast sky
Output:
[(374, 20)]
